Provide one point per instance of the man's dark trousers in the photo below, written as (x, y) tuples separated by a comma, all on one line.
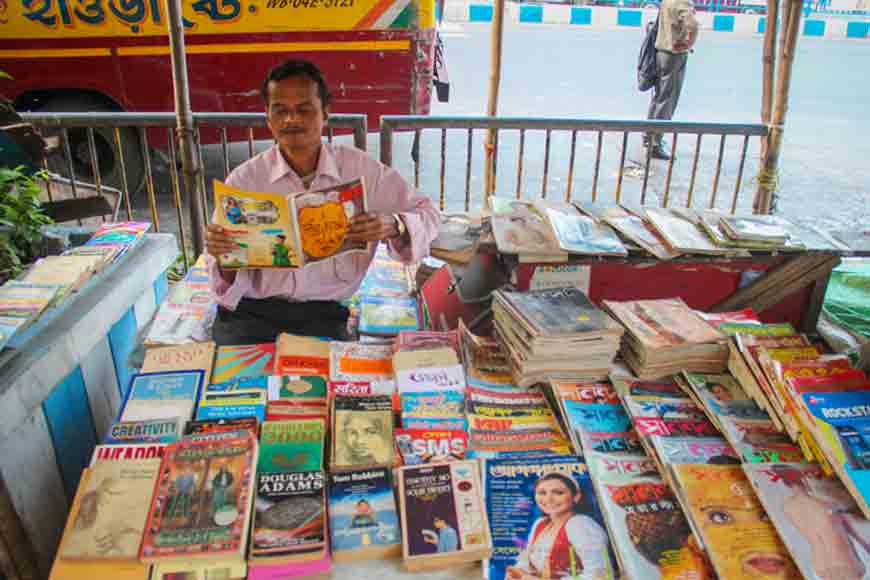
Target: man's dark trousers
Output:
[(666, 92)]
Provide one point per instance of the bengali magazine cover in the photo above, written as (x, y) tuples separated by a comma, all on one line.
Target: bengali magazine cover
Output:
[(545, 519)]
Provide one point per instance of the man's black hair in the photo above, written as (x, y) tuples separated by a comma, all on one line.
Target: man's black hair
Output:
[(297, 68)]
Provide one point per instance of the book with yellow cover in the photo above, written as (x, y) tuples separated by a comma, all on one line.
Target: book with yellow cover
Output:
[(64, 569), (260, 223), (728, 518)]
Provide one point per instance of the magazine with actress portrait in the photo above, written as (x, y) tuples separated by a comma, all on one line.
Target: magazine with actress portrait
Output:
[(546, 521)]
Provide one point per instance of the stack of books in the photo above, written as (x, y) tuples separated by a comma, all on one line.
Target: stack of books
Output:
[(68, 272), (555, 333), (21, 303), (665, 336)]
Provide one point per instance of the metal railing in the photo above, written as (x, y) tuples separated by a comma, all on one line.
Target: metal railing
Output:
[(116, 129), (596, 133)]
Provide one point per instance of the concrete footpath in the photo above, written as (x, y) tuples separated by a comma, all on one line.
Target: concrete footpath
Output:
[(600, 17)]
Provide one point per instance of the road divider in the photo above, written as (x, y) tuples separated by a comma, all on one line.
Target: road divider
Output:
[(613, 17)]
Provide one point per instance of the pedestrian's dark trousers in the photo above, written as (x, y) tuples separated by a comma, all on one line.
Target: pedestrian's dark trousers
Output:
[(256, 321), (666, 92)]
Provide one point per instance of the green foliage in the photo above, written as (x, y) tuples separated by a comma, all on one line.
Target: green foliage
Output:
[(21, 218)]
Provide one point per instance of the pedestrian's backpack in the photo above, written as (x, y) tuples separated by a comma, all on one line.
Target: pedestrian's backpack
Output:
[(647, 70)]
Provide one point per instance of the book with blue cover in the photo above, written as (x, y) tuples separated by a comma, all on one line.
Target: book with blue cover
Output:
[(363, 520), (232, 405), (162, 396), (152, 431), (387, 315), (841, 427), (540, 499)]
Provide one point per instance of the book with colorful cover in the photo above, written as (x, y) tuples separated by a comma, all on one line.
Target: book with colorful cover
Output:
[(732, 524), (722, 396), (261, 224), (816, 518), (321, 220), (301, 355), (446, 403), (359, 362), (289, 515), (751, 328), (363, 519), (579, 234), (649, 532), (127, 452), (261, 382), (610, 443), (232, 404), (387, 316), (697, 450), (291, 446), (841, 428), (152, 431), (663, 323), (250, 424), (418, 446), (119, 233), (435, 423), (362, 432), (520, 502), (202, 501), (299, 389), (666, 387), (759, 441), (507, 409), (162, 396), (233, 362), (442, 513)]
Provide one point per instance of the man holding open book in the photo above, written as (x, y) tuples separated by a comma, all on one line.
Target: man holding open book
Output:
[(255, 305)]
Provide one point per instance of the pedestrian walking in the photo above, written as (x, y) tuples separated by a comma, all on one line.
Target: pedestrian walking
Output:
[(677, 33)]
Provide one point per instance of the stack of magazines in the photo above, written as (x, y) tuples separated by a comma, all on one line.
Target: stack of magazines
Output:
[(555, 333), (666, 336)]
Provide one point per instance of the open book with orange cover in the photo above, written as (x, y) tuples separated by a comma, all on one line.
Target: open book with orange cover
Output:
[(277, 230)]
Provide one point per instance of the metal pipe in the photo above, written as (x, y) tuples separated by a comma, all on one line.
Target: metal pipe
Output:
[(125, 188), (546, 165), (670, 170), (185, 124), (95, 162), (718, 171), (570, 189), (409, 122), (520, 163), (176, 192), (468, 170), (225, 151), (149, 179), (621, 167), (443, 165), (597, 170), (694, 171)]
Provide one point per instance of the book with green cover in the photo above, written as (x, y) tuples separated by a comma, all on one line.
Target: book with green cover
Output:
[(295, 445)]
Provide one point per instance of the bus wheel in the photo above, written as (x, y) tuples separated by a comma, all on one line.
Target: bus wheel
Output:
[(108, 161)]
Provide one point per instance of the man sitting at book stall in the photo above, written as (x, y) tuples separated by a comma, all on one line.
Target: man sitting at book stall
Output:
[(255, 305)]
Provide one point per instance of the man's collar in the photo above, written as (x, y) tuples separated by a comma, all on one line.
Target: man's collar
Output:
[(326, 165)]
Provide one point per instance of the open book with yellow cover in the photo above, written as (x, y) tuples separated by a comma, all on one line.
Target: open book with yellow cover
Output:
[(276, 230)]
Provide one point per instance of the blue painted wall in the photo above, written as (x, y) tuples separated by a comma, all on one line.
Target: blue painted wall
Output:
[(71, 426)]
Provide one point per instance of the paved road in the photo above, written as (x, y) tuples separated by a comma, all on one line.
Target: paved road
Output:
[(557, 71)]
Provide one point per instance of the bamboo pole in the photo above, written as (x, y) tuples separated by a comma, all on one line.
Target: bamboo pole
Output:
[(494, 82), (768, 61), (788, 42)]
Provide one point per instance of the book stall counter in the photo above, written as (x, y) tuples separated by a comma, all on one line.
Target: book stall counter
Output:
[(59, 393), (780, 287)]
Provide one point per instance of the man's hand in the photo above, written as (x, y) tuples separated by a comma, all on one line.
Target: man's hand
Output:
[(218, 242), (372, 227)]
